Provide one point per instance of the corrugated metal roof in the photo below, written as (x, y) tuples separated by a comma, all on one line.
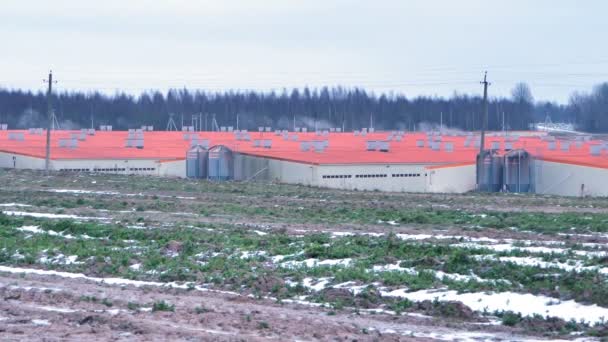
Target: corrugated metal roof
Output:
[(343, 148)]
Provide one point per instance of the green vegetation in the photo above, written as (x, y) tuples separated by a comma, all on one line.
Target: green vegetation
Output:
[(204, 243), (162, 306)]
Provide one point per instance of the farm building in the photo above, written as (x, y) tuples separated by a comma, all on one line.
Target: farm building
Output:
[(360, 160)]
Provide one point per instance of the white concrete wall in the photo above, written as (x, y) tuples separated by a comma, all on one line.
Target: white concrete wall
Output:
[(292, 173), (117, 166), (172, 169), (452, 179), (21, 161), (373, 177), (566, 179), (121, 166)]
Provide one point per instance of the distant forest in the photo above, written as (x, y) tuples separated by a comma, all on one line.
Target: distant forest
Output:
[(351, 108)]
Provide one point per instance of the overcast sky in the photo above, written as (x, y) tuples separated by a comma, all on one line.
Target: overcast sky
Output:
[(415, 47)]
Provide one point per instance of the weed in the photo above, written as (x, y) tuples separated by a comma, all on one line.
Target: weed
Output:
[(162, 306)]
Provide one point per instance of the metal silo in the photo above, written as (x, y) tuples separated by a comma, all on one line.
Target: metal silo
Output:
[(196, 162), (221, 163), (517, 171), (489, 172)]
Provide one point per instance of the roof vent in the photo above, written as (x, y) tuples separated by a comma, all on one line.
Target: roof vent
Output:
[(565, 146), (356, 133), (371, 130), (551, 145), (223, 129), (17, 136), (595, 150), (260, 129), (319, 146), (371, 145), (3, 127), (297, 129), (294, 137), (338, 130), (399, 138), (267, 143), (304, 146), (420, 143), (257, 143), (268, 129), (508, 146), (435, 146), (68, 143), (304, 129), (448, 147), (383, 146), (495, 145)]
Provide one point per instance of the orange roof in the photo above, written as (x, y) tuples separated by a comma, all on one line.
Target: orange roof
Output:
[(344, 148)]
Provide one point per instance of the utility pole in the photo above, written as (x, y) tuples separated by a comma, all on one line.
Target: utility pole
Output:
[(92, 123), (49, 107), (484, 125), (371, 120), (441, 122)]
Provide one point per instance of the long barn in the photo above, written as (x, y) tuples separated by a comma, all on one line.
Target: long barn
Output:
[(361, 160)]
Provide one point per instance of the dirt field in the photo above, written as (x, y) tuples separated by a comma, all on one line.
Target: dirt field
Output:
[(103, 257)]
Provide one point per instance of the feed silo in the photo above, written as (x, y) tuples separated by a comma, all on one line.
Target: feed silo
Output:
[(196, 162), (220, 163), (517, 171), (489, 171)]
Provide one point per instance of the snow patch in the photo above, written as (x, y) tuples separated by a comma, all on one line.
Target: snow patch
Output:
[(315, 284), (14, 205), (42, 322), (53, 216), (526, 304), (312, 262)]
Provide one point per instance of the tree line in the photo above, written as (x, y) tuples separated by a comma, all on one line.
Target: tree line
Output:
[(350, 108)]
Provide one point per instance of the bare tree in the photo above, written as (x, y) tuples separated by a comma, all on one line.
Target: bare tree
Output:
[(521, 93)]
